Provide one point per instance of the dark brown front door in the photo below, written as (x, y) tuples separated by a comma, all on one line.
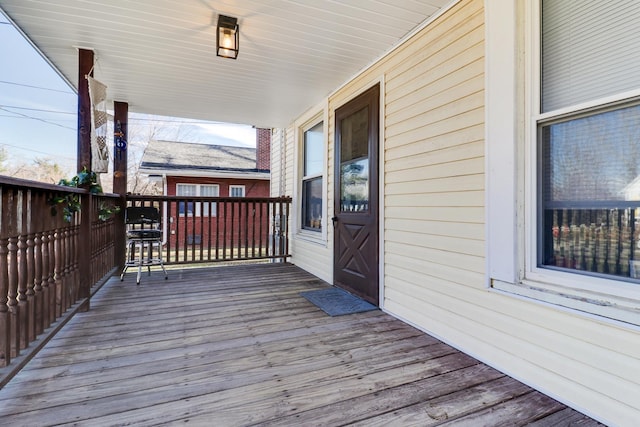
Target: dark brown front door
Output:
[(356, 196)]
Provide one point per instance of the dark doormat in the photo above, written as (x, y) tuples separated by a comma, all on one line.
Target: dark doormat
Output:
[(336, 302)]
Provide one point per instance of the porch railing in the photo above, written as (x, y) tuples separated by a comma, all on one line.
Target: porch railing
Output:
[(47, 263), (215, 229), (50, 265)]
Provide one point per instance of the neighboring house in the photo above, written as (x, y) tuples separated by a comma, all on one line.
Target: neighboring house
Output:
[(489, 220), (204, 170)]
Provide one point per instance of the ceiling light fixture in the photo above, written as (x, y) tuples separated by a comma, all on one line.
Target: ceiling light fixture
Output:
[(227, 37)]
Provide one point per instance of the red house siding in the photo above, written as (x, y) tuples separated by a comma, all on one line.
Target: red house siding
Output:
[(233, 219)]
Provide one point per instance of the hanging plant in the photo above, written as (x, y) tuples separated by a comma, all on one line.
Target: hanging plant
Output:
[(89, 181)]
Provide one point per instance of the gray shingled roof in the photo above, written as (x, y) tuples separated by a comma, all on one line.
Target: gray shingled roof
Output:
[(172, 155)]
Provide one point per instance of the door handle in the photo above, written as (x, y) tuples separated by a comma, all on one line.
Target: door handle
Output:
[(335, 221)]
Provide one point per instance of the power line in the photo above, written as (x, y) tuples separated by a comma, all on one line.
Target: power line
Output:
[(35, 109), (35, 151), (37, 118), (37, 87)]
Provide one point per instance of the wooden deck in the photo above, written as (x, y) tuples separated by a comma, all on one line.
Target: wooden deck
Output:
[(237, 345)]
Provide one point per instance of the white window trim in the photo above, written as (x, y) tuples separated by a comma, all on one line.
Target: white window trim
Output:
[(500, 141), (305, 123), (512, 106), (232, 187)]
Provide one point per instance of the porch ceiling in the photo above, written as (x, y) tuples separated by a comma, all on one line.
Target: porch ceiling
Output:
[(159, 55)]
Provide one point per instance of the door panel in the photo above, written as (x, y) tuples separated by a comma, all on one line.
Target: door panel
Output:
[(356, 201)]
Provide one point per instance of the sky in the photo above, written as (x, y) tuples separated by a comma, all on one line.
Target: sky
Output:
[(38, 111)]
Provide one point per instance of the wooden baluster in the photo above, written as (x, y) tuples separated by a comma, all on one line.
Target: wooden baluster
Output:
[(12, 303), (30, 219), (63, 270), (225, 221), (73, 276), (253, 229), (65, 284), (272, 227), (202, 220), (245, 206), (46, 291), (69, 284), (52, 275), (261, 227), (197, 207), (5, 319), (57, 272), (285, 231), (21, 260), (37, 273), (72, 284), (232, 243), (218, 230), (23, 308), (209, 220)]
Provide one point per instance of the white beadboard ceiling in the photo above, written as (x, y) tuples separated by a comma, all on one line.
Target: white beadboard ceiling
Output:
[(159, 55)]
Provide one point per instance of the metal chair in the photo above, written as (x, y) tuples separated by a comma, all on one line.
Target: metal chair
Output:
[(144, 235)]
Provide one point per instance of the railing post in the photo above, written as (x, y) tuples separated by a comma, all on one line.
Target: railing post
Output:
[(84, 249), (119, 239)]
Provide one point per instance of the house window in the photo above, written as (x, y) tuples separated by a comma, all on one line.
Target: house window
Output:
[(588, 132), (312, 178), (209, 190), (195, 190), (236, 191)]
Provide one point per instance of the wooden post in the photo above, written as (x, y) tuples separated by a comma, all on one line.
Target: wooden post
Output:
[(120, 149), (85, 67), (84, 250), (120, 178)]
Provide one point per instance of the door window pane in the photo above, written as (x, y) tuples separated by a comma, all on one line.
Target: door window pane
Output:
[(354, 162)]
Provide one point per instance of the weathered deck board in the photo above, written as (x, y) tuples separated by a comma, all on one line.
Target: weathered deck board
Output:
[(239, 346)]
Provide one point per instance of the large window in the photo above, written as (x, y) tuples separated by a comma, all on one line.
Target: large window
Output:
[(194, 190), (312, 177), (236, 191), (588, 134)]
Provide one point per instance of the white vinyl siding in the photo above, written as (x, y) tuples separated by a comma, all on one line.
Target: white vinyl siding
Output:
[(310, 253), (434, 217), (581, 359)]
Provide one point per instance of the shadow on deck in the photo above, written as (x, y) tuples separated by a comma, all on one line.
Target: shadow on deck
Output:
[(239, 346)]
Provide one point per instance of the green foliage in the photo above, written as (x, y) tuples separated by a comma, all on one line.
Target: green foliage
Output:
[(105, 212), (87, 180)]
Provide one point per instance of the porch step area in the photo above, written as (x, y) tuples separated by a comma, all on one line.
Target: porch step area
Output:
[(238, 345)]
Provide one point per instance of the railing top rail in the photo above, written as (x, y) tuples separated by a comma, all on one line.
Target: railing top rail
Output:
[(139, 197), (8, 181)]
